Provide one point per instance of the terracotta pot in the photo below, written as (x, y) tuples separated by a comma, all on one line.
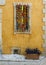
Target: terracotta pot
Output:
[(32, 56)]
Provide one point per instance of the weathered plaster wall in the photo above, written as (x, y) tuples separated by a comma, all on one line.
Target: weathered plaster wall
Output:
[(22, 40)]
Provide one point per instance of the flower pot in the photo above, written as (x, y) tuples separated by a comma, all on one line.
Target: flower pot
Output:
[(32, 56)]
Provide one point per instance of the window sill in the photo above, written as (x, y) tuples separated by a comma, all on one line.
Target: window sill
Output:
[(22, 32)]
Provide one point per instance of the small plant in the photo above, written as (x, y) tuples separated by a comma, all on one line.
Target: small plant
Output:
[(33, 51)]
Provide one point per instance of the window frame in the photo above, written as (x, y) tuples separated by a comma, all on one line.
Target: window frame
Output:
[(30, 9), (12, 50)]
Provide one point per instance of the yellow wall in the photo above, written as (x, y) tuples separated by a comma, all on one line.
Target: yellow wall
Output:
[(22, 40)]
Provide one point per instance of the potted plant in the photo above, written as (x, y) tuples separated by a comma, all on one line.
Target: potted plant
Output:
[(32, 53)]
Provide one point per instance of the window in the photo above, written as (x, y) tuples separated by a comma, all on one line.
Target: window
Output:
[(22, 18), (15, 50)]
